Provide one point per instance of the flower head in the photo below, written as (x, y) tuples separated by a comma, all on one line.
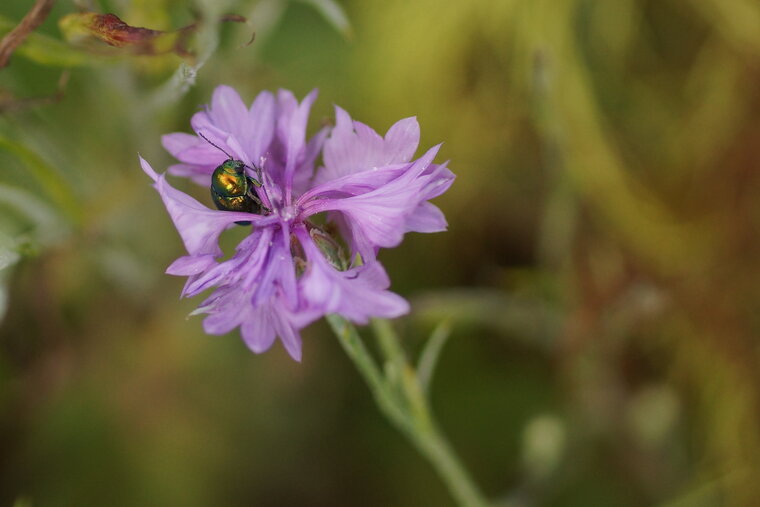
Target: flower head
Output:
[(290, 271)]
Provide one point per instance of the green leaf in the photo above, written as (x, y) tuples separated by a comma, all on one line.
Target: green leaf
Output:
[(48, 51), (531, 320), (431, 353), (8, 257), (3, 298), (50, 180), (8, 254), (47, 225), (333, 14)]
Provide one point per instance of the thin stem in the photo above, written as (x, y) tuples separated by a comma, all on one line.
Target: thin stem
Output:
[(28, 24), (354, 346), (401, 398)]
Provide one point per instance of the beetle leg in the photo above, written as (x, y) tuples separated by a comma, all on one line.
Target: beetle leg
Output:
[(256, 199), (256, 181)]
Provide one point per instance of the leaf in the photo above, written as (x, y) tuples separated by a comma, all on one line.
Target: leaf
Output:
[(8, 257), (529, 319), (90, 29), (83, 28), (50, 180), (48, 51), (333, 14), (3, 298), (47, 225), (8, 253), (431, 353)]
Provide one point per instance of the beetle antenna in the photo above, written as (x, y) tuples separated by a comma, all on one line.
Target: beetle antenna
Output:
[(215, 146)]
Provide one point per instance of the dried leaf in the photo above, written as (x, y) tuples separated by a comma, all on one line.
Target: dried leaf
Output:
[(85, 27), (89, 29)]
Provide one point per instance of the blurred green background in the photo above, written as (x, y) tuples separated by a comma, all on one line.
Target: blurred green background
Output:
[(600, 272)]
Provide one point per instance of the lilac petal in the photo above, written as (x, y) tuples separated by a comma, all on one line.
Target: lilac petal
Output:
[(354, 184), (190, 265), (379, 216), (260, 126), (289, 336), (438, 180), (198, 225), (278, 273), (178, 142), (273, 319), (357, 294), (238, 131), (258, 330), (246, 264), (305, 170), (203, 125), (359, 241), (354, 147), (200, 174), (147, 169), (192, 149), (426, 217), (227, 308), (228, 112), (237, 151), (291, 130), (401, 141)]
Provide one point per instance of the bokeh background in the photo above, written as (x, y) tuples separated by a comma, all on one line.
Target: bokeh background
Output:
[(600, 273)]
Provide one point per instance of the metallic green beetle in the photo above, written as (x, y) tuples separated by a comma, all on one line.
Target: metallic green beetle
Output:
[(232, 189)]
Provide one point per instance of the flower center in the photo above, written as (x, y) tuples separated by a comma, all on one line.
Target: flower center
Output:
[(288, 213)]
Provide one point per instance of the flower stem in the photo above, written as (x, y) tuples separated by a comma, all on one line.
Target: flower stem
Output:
[(400, 397)]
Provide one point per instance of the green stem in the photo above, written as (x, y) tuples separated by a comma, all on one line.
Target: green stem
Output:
[(401, 398), (354, 346)]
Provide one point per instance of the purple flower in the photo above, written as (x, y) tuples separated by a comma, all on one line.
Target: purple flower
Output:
[(289, 271)]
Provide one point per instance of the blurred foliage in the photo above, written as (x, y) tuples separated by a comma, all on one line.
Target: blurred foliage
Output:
[(600, 275)]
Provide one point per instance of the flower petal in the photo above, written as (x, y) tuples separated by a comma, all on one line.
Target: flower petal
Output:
[(278, 273), (354, 184), (229, 307), (200, 174), (260, 126), (226, 308), (189, 265), (354, 147), (258, 330), (379, 217), (287, 332), (357, 294), (227, 111), (426, 217), (178, 142), (305, 170), (291, 130)]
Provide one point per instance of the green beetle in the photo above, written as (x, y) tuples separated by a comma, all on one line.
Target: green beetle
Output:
[(232, 189)]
